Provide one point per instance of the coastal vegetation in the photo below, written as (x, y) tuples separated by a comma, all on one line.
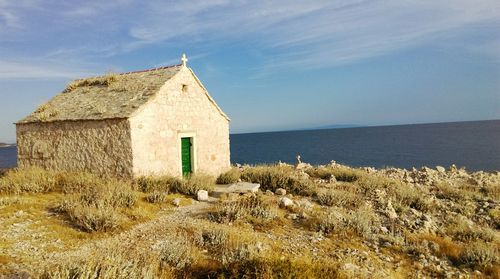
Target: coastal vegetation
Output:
[(330, 221)]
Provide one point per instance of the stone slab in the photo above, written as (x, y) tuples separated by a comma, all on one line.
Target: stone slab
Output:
[(239, 188)]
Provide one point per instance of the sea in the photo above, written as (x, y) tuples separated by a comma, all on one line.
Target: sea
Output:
[(474, 145)]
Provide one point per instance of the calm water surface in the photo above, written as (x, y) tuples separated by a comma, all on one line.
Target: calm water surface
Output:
[(475, 145)]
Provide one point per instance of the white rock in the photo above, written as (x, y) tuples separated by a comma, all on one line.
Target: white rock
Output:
[(280, 192), (176, 202), (440, 169), (285, 202), (305, 204), (202, 195)]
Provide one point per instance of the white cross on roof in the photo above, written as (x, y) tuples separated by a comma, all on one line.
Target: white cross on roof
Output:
[(184, 59)]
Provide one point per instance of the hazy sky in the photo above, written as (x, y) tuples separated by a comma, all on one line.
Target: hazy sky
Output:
[(271, 65)]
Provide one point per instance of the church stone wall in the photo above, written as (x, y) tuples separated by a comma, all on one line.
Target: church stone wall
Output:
[(101, 146), (181, 108)]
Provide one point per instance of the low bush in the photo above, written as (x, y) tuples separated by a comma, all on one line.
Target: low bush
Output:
[(274, 177), (251, 206), (96, 207), (193, 184), (108, 266), (462, 231), (214, 238), (229, 177), (479, 255), (148, 184), (94, 219), (338, 198), (113, 193), (447, 191), (176, 252), (73, 182), (362, 221), (28, 180), (347, 174), (321, 172), (411, 197), (156, 197)]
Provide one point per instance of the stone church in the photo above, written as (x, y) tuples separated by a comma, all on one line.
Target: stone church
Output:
[(154, 122)]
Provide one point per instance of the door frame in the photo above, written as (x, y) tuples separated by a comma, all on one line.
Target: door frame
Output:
[(194, 158)]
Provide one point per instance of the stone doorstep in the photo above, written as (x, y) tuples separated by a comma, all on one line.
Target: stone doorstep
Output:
[(239, 188)]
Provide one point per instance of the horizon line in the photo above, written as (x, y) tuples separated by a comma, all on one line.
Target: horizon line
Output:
[(355, 126)]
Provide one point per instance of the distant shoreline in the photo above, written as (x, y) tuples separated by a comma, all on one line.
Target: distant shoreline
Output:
[(6, 145)]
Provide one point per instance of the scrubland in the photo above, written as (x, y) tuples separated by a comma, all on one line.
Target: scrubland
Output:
[(330, 221)]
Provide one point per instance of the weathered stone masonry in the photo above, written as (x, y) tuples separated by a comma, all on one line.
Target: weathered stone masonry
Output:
[(101, 146)]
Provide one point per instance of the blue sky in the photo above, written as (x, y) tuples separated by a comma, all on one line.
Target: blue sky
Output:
[(270, 65)]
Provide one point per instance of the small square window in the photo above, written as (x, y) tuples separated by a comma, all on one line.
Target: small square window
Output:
[(184, 88)]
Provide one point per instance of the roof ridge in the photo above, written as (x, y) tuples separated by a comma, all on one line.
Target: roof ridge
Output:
[(150, 70), (131, 72)]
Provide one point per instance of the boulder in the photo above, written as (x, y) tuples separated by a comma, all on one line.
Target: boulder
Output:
[(303, 166), (280, 192), (285, 202), (202, 195), (440, 169), (305, 204)]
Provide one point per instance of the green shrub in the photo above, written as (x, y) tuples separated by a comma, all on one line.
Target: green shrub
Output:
[(229, 177)]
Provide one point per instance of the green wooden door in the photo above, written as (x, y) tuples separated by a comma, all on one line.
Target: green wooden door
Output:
[(186, 155)]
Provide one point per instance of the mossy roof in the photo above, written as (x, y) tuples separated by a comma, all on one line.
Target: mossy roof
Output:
[(103, 97)]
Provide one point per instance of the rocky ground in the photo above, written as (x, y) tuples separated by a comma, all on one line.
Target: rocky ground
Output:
[(363, 222)]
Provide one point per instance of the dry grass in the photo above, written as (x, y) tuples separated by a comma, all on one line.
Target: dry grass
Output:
[(105, 80), (229, 177), (446, 247), (362, 222), (96, 207), (479, 255), (251, 237), (108, 266), (156, 197), (29, 180), (276, 176), (165, 184), (251, 206), (338, 198), (460, 230)]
